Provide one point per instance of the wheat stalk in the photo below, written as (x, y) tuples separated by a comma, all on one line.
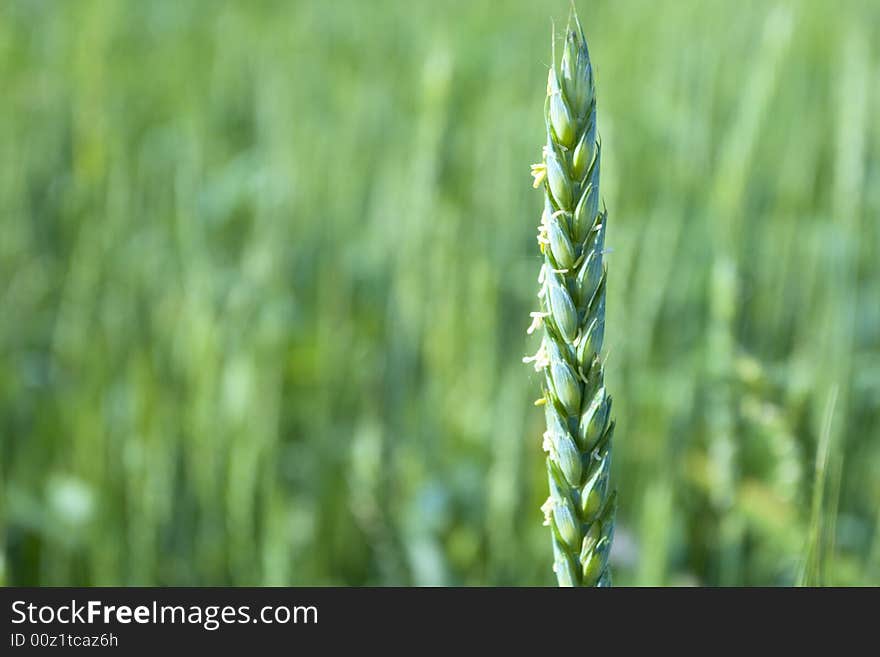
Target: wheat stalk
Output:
[(580, 509)]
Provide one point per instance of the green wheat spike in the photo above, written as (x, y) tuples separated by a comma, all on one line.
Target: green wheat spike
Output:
[(580, 509)]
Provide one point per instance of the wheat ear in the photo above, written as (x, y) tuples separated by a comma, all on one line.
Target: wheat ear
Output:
[(580, 509)]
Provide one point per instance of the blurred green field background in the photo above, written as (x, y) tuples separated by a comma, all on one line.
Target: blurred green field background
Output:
[(266, 270)]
